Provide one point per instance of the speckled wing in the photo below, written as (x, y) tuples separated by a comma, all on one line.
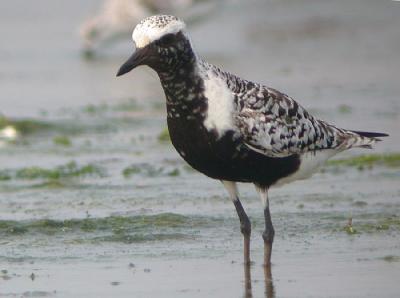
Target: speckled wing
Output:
[(274, 124)]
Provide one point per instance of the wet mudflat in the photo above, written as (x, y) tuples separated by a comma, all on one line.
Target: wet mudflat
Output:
[(94, 201)]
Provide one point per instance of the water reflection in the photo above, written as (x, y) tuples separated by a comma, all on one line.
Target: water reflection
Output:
[(247, 282), (269, 285), (269, 290)]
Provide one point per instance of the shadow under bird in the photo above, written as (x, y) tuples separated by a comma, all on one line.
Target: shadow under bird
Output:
[(232, 129)]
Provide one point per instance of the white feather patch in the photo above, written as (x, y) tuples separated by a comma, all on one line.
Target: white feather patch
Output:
[(145, 33), (220, 105)]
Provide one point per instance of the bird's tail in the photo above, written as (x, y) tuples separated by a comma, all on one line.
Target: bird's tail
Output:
[(362, 139)]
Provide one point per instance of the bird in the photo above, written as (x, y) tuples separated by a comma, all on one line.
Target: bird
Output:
[(116, 19), (232, 129)]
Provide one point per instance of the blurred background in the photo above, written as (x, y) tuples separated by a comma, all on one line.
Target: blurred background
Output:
[(94, 200)]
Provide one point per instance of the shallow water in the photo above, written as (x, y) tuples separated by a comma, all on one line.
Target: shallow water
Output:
[(94, 204)]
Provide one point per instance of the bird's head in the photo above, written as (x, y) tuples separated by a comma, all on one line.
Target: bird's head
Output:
[(161, 43)]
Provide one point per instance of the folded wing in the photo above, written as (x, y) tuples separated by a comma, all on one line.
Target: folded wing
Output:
[(275, 125)]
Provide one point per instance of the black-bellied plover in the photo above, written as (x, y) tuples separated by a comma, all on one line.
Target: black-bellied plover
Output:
[(232, 129)]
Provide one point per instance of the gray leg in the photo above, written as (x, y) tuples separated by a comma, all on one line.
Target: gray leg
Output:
[(245, 228), (268, 236), (269, 232), (245, 225)]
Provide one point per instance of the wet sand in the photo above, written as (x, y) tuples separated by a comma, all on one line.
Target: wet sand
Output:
[(93, 202), (314, 272)]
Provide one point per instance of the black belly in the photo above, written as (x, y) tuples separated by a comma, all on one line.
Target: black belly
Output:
[(226, 158)]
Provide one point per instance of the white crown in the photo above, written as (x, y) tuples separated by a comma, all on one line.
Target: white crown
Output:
[(154, 27)]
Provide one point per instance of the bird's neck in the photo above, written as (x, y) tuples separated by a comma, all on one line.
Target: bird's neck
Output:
[(183, 84)]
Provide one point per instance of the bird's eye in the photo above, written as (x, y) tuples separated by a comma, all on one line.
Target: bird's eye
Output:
[(168, 39)]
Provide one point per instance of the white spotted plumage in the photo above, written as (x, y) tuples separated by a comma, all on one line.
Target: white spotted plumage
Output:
[(268, 121), (272, 123)]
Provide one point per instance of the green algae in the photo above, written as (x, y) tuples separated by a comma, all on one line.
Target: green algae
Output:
[(50, 184), (344, 109), (95, 109), (163, 136), (149, 171), (137, 238), (4, 275), (300, 206), (4, 175), (62, 141), (391, 160), (174, 172), (63, 128), (131, 170), (127, 105), (390, 223), (25, 126), (391, 258), (189, 169), (359, 204), (350, 230), (114, 228), (68, 170)]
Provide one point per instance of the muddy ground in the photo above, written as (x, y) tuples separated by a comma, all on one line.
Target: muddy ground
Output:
[(94, 201)]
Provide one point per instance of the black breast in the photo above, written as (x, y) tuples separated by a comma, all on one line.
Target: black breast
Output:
[(226, 157)]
